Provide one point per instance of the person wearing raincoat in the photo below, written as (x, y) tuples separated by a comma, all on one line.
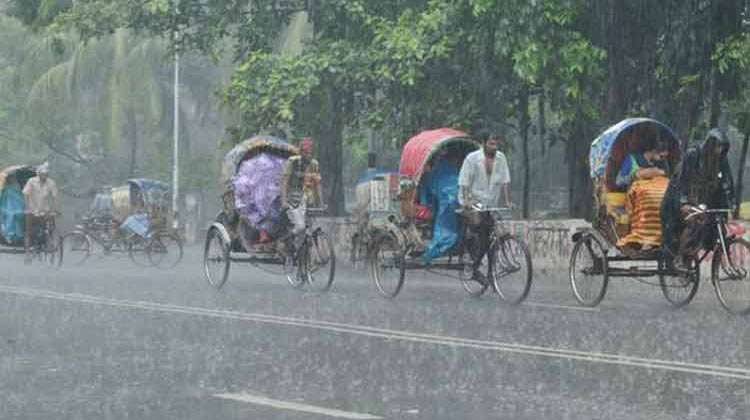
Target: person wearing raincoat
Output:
[(703, 177), (439, 192)]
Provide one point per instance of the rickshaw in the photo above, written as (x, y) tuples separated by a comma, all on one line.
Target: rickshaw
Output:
[(45, 243), (374, 192), (131, 219), (399, 240), (304, 258), (596, 256)]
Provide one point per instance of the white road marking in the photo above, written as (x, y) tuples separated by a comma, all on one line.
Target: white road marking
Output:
[(305, 408), (592, 357), (556, 306)]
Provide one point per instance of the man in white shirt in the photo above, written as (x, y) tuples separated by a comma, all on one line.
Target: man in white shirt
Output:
[(42, 200), (484, 180)]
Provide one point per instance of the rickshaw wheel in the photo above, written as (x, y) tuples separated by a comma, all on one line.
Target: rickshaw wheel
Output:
[(77, 247), (164, 250), (216, 258), (320, 263), (472, 287), (386, 266), (733, 290), (588, 273), (137, 251), (680, 290), (511, 269)]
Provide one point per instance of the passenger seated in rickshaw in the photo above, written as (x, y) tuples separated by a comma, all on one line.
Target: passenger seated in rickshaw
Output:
[(439, 192), (138, 221), (644, 176), (703, 177), (12, 205), (257, 193)]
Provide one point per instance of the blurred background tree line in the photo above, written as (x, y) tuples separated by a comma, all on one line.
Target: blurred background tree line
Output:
[(88, 82)]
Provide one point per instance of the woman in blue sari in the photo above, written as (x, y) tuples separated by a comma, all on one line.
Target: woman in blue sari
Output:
[(12, 206)]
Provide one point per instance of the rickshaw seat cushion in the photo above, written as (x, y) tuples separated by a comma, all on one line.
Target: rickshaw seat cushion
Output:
[(615, 202)]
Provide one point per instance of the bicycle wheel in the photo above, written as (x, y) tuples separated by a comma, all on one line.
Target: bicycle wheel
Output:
[(474, 287), (137, 251), (320, 263), (386, 264), (511, 269), (216, 260), (51, 252), (164, 250), (679, 290), (588, 271), (76, 247), (729, 275)]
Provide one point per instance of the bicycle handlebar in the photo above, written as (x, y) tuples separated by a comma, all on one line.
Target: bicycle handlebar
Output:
[(484, 210), (702, 209)]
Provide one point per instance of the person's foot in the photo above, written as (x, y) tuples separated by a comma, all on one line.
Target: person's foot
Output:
[(479, 277)]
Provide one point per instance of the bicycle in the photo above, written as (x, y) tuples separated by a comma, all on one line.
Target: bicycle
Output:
[(312, 252), (45, 244)]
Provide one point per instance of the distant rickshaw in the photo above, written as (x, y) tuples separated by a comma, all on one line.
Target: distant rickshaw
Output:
[(45, 241), (133, 219), (375, 191), (306, 258), (399, 240), (600, 252)]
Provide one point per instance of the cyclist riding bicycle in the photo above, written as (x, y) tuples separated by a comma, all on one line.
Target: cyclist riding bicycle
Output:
[(484, 179)]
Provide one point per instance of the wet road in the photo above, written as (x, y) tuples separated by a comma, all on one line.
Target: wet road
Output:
[(111, 341)]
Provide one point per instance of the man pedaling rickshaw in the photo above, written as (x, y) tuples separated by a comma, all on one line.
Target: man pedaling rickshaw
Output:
[(300, 186), (484, 179), (42, 202), (703, 178)]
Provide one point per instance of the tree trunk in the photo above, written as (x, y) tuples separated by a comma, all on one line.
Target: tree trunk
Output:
[(615, 62), (580, 190), (524, 118), (132, 131), (741, 171), (330, 154)]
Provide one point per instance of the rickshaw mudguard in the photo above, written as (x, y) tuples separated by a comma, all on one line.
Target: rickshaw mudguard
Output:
[(222, 231), (378, 229), (583, 233)]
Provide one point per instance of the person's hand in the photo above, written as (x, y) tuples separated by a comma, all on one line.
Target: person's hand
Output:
[(510, 205), (468, 204), (685, 209), (284, 206)]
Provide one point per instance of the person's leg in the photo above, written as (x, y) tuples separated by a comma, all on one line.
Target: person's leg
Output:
[(27, 236), (484, 229)]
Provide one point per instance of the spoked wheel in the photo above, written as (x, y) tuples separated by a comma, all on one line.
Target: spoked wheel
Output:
[(588, 271), (730, 275), (386, 266), (475, 287), (320, 263), (52, 251), (680, 289), (164, 250), (216, 258), (511, 269), (358, 253), (137, 251), (76, 247)]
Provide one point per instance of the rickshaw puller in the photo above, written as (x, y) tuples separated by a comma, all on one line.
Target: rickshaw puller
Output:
[(42, 200), (484, 175), (703, 177), (300, 186)]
